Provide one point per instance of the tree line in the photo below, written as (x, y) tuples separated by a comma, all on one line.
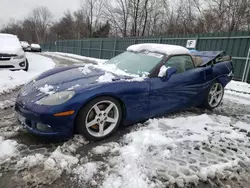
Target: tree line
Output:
[(124, 18)]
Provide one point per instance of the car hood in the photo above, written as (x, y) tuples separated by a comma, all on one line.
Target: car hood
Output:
[(72, 79)]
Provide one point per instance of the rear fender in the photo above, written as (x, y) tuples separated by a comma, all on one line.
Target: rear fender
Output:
[(224, 80)]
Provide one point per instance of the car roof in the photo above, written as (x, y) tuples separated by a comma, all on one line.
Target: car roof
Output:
[(7, 35), (165, 49), (10, 44)]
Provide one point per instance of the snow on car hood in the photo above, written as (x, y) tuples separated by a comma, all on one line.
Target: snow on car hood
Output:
[(79, 78), (9, 44)]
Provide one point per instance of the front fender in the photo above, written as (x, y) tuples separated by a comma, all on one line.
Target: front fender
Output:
[(133, 95)]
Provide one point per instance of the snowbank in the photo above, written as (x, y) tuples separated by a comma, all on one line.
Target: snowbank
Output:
[(238, 92), (56, 55), (8, 148), (238, 86), (10, 80), (78, 57)]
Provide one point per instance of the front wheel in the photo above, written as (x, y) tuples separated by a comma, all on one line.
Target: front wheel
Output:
[(214, 96), (99, 118)]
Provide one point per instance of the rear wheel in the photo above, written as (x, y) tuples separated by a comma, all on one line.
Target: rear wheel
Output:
[(27, 65), (99, 118), (214, 96)]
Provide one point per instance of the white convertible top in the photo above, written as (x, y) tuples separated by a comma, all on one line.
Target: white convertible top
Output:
[(166, 49)]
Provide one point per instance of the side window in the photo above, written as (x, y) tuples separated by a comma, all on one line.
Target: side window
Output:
[(182, 63)]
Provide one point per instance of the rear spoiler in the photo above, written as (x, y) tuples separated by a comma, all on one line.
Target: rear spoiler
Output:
[(208, 56)]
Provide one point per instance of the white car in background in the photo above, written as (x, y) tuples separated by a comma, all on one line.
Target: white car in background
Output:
[(26, 46), (36, 48), (12, 55)]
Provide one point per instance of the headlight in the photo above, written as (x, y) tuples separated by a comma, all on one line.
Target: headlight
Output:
[(19, 57), (57, 98)]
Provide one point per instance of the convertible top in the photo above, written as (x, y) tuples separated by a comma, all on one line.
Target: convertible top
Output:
[(166, 49), (206, 56)]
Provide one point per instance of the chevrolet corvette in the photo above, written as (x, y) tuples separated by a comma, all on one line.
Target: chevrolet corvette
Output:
[(145, 81)]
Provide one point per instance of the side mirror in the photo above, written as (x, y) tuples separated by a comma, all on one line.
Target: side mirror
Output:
[(166, 72)]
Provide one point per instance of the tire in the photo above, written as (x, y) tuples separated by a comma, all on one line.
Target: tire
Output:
[(217, 96), (27, 66), (89, 113)]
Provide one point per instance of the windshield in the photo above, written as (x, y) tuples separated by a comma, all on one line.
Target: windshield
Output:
[(136, 63)]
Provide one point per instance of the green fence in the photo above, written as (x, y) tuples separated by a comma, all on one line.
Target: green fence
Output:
[(235, 44)]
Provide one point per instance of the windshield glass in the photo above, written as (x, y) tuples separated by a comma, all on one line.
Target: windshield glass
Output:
[(136, 63)]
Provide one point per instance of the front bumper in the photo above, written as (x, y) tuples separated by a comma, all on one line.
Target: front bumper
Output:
[(13, 64), (42, 123)]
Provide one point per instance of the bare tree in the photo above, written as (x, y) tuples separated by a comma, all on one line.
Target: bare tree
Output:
[(118, 13), (93, 10), (100, 18), (41, 19)]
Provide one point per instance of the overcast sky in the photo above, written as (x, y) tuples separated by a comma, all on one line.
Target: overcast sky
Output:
[(18, 9)]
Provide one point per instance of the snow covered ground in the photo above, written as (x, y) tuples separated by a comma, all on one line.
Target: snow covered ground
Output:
[(180, 149), (74, 57)]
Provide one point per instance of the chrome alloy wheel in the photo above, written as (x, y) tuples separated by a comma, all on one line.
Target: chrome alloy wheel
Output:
[(102, 118), (215, 95)]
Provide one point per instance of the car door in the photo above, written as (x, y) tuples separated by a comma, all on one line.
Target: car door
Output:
[(182, 90)]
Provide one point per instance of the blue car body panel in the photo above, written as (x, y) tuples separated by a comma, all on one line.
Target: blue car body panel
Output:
[(140, 100), (206, 56)]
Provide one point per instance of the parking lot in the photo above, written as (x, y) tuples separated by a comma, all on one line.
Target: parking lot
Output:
[(194, 147)]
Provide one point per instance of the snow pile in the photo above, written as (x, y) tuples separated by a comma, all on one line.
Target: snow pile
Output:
[(47, 89), (79, 57), (159, 48), (107, 77), (73, 87), (7, 103), (46, 168), (238, 92), (52, 54), (108, 147), (10, 80), (59, 161), (238, 86), (85, 70), (30, 161), (178, 151), (242, 126), (8, 148), (86, 172)]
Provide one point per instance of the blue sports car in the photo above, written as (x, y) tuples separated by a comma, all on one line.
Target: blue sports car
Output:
[(146, 81)]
